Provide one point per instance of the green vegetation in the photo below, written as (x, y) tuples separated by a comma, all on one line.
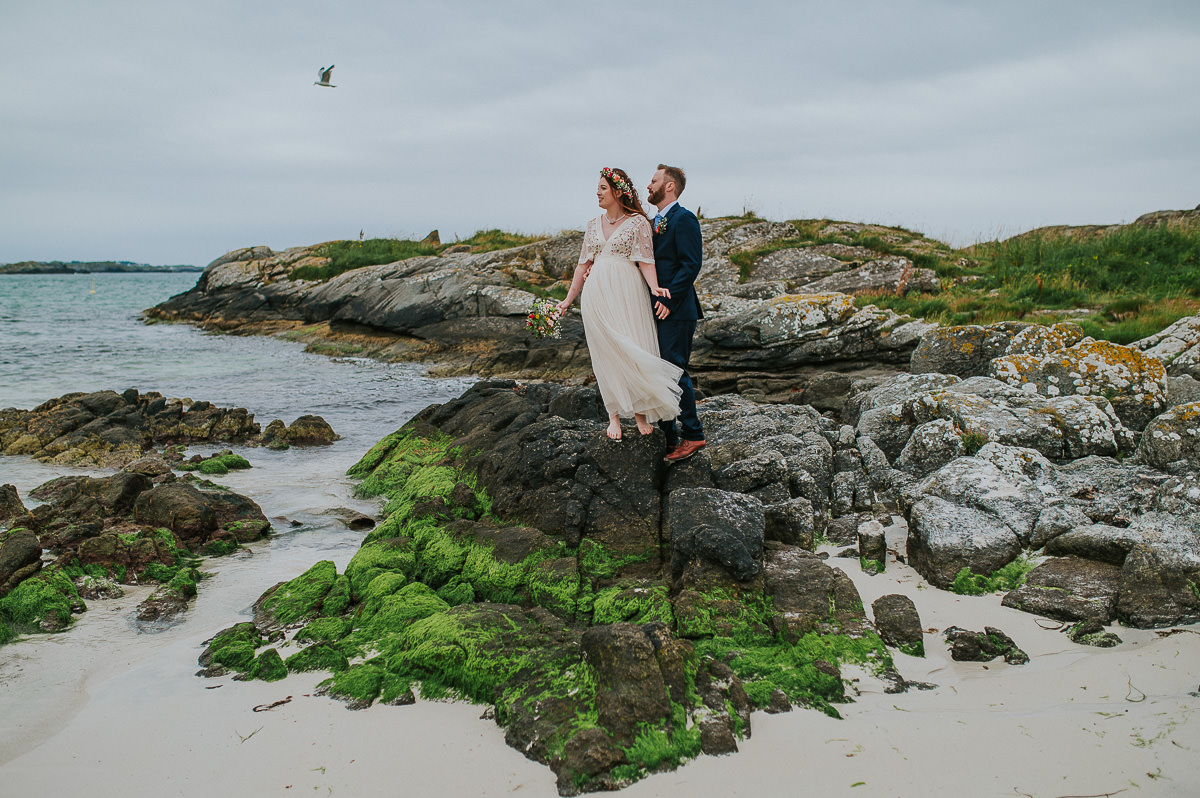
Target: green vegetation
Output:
[(44, 601), (268, 666), (347, 255), (871, 567), (1006, 578), (217, 464), (491, 240), (1135, 280), (973, 441)]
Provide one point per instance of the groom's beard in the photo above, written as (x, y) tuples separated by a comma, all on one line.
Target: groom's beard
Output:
[(655, 197)]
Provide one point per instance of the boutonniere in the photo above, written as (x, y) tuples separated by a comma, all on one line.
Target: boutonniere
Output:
[(660, 226)]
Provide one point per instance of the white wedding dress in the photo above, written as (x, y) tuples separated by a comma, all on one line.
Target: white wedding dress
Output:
[(618, 321)]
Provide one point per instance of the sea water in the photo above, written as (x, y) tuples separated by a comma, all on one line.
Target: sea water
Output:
[(60, 334)]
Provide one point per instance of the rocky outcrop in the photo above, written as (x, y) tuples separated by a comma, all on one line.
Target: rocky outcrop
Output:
[(94, 532), (635, 607), (774, 331), (114, 430), (1050, 362)]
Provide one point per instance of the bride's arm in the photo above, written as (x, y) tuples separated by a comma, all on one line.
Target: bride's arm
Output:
[(651, 277), (576, 285)]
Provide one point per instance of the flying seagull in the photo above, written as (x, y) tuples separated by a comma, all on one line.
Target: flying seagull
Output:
[(323, 77)]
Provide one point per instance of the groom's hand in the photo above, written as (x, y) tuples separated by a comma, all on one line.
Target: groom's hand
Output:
[(661, 310)]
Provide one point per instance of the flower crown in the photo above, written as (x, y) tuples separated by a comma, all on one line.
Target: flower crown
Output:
[(621, 183)]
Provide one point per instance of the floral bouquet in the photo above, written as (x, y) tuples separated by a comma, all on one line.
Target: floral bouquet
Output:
[(544, 319)]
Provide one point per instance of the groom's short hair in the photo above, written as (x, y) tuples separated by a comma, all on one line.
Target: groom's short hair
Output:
[(675, 175)]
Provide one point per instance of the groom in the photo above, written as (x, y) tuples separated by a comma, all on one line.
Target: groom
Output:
[(677, 258)]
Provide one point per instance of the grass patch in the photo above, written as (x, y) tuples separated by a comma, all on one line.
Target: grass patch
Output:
[(346, 256), (1135, 280)]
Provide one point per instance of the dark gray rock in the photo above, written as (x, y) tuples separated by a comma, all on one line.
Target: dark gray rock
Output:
[(1068, 589), (630, 689), (898, 623), (19, 549), (717, 528), (968, 646), (1157, 589), (791, 522), (808, 594)]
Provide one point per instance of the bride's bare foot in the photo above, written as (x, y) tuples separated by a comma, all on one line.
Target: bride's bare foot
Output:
[(614, 428), (642, 424)]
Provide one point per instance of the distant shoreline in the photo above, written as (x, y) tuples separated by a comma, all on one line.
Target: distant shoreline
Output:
[(92, 267)]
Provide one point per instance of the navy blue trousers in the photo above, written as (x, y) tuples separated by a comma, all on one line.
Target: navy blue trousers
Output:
[(675, 346)]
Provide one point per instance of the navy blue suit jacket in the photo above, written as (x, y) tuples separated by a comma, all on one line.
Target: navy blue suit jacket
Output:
[(678, 254)]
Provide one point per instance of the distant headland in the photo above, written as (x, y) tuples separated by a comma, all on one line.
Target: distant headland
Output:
[(88, 267)]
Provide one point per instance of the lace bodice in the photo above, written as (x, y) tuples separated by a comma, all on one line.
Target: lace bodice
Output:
[(630, 240)]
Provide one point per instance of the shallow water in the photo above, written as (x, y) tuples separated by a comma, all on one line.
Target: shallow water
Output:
[(56, 337)]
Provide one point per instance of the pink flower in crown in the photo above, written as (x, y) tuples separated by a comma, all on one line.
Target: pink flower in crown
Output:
[(622, 185), (660, 226)]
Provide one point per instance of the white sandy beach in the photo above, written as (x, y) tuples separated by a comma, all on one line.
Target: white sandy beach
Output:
[(1075, 721)]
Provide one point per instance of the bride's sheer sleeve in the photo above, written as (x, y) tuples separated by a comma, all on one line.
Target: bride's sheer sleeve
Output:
[(585, 254), (643, 244)]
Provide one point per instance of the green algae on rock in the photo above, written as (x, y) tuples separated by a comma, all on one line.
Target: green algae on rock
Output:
[(44, 602), (606, 658)]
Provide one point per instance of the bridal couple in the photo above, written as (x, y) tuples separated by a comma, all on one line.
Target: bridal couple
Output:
[(640, 341)]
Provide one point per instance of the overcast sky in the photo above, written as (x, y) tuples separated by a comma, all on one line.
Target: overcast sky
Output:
[(171, 132)]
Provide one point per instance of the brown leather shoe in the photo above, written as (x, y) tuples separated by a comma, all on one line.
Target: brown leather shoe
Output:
[(684, 450)]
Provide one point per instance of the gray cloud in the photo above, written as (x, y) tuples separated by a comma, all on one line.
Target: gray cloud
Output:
[(171, 132)]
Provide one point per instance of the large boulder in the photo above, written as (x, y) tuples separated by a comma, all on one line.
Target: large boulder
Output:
[(963, 351), (976, 512), (719, 529), (1173, 439), (1068, 589), (1134, 383)]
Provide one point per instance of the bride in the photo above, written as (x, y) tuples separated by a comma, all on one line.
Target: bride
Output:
[(615, 267)]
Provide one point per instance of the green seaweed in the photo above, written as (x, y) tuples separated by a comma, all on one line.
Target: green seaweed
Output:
[(634, 604), (360, 683), (318, 657), (324, 630), (1006, 578), (268, 666), (301, 597), (45, 600), (392, 555)]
